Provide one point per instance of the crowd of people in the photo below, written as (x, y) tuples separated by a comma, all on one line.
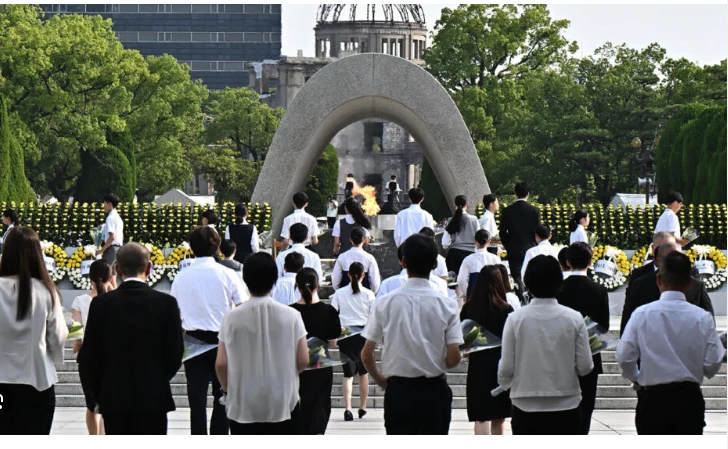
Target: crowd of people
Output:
[(256, 314)]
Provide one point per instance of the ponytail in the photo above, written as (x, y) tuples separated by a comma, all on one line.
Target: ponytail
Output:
[(456, 223), (99, 274), (576, 218), (353, 207), (356, 270), (357, 236), (240, 213), (307, 282)]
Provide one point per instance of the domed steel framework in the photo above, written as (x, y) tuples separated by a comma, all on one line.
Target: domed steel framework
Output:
[(374, 13)]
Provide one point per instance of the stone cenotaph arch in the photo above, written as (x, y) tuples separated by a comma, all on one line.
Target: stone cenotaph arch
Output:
[(354, 88)]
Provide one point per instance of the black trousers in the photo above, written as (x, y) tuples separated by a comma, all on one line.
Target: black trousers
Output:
[(455, 258), (200, 372), (564, 422), (331, 222), (670, 409), (417, 406), (289, 427), (588, 386), (25, 410), (135, 423)]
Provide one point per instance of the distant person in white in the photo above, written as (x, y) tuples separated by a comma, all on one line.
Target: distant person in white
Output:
[(543, 247), (299, 215), (340, 278), (441, 270), (332, 211), (676, 345), (577, 226), (285, 290), (113, 231), (669, 222), (475, 262), (487, 221), (412, 219), (262, 351), (298, 236)]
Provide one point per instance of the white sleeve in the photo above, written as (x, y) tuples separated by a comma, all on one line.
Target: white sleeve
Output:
[(254, 244), (336, 275), (227, 232), (526, 259), (279, 264), (374, 278), (507, 361), (317, 267), (313, 230), (463, 278), (445, 239), (76, 303), (239, 292), (285, 229), (397, 230), (335, 302), (337, 229)]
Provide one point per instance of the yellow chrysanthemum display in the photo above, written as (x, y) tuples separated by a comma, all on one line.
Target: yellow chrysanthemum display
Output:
[(714, 254), (178, 254), (620, 258), (58, 254), (638, 258)]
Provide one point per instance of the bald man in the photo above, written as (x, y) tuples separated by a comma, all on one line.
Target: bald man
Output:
[(658, 239)]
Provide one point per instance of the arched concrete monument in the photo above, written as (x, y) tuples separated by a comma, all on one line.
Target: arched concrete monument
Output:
[(359, 87)]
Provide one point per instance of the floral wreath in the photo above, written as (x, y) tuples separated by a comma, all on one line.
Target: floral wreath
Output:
[(712, 273), (615, 259), (79, 281), (58, 254), (183, 251), (639, 256), (158, 262)]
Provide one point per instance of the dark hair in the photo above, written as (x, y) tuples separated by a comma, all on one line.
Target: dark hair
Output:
[(307, 282), (227, 247), (488, 200), (356, 270), (416, 194), (12, 216), (204, 241), (393, 177), (99, 273), (132, 259), (427, 232), (543, 277), (349, 175), (563, 257), (675, 269), (456, 222), (505, 277), (576, 218), (22, 257), (354, 209), (420, 255), (400, 253), (241, 211), (579, 255), (488, 293), (482, 236), (300, 199), (542, 231), (294, 262), (672, 197), (112, 199), (357, 235), (298, 232), (522, 189), (211, 216), (260, 273)]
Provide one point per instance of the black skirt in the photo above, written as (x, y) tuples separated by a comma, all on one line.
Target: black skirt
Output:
[(482, 378), (455, 258), (315, 402)]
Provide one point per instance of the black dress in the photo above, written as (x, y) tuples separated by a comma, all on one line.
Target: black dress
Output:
[(483, 368), (321, 321)]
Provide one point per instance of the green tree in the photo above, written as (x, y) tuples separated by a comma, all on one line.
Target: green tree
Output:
[(323, 181), (666, 166), (5, 138), (694, 133), (125, 143), (717, 178), (234, 178), (104, 171)]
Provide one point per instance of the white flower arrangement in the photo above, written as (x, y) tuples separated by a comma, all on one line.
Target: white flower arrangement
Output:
[(171, 271), (58, 274), (611, 283), (89, 250), (715, 281), (79, 281)]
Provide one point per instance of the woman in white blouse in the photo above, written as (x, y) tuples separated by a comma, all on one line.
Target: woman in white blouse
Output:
[(577, 227), (372, 278), (32, 334)]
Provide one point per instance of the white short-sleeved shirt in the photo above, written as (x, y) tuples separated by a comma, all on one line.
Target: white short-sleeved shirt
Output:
[(285, 290), (545, 248), (487, 222), (410, 221), (473, 264), (356, 255), (113, 225), (310, 258), (336, 232), (392, 283), (353, 308), (261, 342), (441, 270), (300, 216), (579, 235), (668, 222), (82, 304), (417, 325), (206, 291)]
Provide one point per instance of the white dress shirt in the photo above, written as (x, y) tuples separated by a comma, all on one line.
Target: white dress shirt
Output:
[(356, 254), (473, 264), (29, 347), (545, 349), (206, 291), (353, 308), (542, 249), (2, 240), (82, 303), (254, 241), (332, 209), (441, 270), (300, 216), (285, 290), (513, 301), (410, 221), (113, 225), (310, 258), (579, 235), (487, 222), (336, 232), (417, 325), (392, 283), (261, 341), (674, 340), (668, 222)]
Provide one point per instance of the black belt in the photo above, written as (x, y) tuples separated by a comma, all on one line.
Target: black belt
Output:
[(673, 386), (209, 337), (423, 379)]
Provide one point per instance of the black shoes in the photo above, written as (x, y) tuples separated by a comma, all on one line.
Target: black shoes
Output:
[(348, 416), (362, 413)]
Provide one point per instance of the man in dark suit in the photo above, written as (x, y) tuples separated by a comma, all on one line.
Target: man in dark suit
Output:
[(132, 348), (590, 299), (658, 239), (645, 290), (517, 232)]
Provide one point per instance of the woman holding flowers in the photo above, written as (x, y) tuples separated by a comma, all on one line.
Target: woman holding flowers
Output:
[(577, 226)]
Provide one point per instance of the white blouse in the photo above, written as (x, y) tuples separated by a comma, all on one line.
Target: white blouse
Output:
[(579, 235), (353, 308), (82, 304)]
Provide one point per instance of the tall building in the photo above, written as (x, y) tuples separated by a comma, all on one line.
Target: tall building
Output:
[(217, 41)]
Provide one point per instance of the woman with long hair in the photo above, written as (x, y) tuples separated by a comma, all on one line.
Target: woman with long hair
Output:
[(340, 275), (459, 235), (321, 321), (102, 281), (355, 218), (511, 298), (32, 335), (354, 303), (244, 234), (487, 306), (10, 219), (577, 226)]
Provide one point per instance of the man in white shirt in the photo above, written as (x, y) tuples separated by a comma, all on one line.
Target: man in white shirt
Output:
[(285, 290), (668, 221), (543, 247), (677, 345), (261, 354), (421, 332), (412, 219), (113, 230), (299, 235), (205, 291), (441, 270), (299, 215)]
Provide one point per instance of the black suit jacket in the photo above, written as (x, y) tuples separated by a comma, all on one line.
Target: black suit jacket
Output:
[(640, 272), (590, 299), (518, 232), (645, 291), (132, 348)]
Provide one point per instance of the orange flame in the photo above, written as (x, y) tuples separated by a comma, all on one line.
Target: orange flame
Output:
[(369, 193)]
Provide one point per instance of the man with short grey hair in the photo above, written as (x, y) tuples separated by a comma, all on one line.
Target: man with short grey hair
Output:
[(658, 239)]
